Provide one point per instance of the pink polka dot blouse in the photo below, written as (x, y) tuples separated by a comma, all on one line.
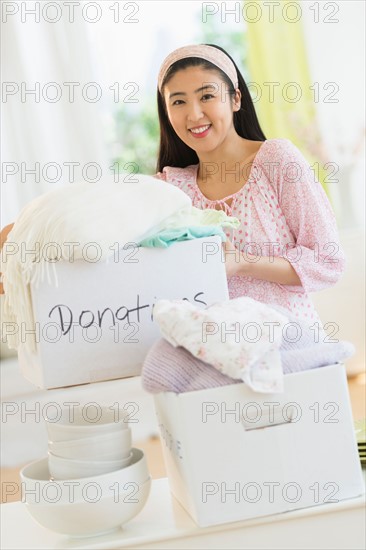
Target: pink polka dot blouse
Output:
[(283, 211)]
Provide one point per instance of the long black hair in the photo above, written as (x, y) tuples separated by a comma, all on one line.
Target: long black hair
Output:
[(172, 150)]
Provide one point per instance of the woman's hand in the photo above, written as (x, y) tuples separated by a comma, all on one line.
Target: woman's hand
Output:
[(233, 259), (3, 236), (267, 268)]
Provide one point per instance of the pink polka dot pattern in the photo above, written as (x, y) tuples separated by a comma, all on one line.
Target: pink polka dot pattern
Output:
[(283, 211)]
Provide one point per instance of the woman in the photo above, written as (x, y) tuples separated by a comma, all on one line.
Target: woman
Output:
[(212, 147)]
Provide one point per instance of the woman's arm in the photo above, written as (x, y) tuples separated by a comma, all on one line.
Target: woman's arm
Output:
[(3, 236), (317, 257), (268, 268)]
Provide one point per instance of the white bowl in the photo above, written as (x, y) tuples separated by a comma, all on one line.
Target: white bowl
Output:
[(113, 446), (85, 422), (69, 468), (88, 506)]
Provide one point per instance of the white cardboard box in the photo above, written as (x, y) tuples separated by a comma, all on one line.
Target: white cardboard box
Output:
[(233, 454), (118, 297)]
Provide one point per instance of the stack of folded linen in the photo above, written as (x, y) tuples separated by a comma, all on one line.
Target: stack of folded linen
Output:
[(240, 340), (193, 224)]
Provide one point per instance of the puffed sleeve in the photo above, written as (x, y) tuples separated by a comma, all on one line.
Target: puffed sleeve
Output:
[(160, 176), (318, 258)]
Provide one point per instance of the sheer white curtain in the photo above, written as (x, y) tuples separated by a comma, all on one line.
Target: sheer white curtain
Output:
[(37, 130)]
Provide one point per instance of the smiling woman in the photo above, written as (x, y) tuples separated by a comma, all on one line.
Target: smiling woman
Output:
[(207, 112), (213, 148), (184, 84), (203, 110)]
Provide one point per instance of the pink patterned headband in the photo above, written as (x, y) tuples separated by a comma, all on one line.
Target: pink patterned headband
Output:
[(209, 53)]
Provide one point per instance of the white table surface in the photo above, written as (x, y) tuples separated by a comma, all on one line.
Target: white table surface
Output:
[(163, 523), (23, 434)]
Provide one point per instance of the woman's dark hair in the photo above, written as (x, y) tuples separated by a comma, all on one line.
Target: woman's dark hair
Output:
[(172, 150)]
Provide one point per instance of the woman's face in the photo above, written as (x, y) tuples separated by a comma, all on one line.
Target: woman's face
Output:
[(200, 109)]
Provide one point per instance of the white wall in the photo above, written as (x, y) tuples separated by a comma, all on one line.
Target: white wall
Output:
[(336, 53)]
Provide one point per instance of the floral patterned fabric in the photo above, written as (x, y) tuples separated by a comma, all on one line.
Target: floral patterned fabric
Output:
[(216, 335), (283, 211)]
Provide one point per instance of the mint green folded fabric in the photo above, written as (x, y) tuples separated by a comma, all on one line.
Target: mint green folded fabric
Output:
[(195, 217), (167, 237), (188, 224)]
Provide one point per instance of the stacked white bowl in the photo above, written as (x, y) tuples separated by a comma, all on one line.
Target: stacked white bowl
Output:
[(92, 481), (88, 441)]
